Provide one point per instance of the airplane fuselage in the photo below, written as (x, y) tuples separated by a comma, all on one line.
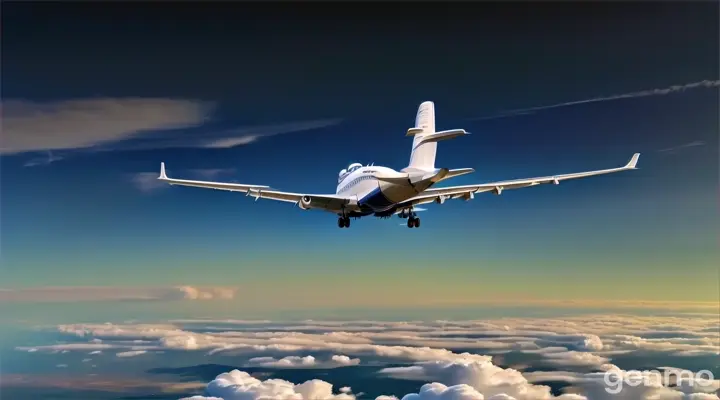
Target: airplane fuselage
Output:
[(373, 195)]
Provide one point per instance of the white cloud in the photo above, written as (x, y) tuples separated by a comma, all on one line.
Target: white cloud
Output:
[(239, 385), (483, 377), (303, 362), (131, 353), (103, 124), (72, 124), (570, 346)]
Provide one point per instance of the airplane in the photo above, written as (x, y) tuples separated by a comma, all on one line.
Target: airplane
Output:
[(383, 192)]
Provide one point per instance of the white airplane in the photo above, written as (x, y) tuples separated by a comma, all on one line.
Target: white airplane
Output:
[(383, 192)]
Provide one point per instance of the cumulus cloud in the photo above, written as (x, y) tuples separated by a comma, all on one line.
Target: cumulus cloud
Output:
[(473, 378), (303, 362), (72, 124), (100, 293), (239, 385)]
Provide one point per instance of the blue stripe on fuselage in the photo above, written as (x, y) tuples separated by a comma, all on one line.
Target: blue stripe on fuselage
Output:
[(375, 200)]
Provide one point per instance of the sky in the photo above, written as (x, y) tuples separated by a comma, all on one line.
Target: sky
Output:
[(94, 97)]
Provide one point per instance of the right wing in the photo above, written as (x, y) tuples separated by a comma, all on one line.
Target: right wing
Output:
[(467, 191), (325, 202)]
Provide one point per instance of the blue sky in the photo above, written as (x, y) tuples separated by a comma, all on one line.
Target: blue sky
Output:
[(154, 87)]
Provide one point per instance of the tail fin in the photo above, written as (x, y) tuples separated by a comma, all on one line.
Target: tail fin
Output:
[(423, 154)]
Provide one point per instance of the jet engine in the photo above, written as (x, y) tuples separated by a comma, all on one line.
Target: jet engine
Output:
[(468, 196), (305, 202), (441, 199)]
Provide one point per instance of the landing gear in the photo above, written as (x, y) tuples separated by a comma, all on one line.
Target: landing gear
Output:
[(413, 222), (343, 222)]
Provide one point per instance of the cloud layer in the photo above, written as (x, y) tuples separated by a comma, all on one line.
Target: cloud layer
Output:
[(457, 359)]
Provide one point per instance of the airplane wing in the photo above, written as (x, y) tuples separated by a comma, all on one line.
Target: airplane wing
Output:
[(325, 202), (467, 191)]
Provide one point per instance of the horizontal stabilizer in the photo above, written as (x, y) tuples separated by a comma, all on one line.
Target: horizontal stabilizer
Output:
[(414, 131), (457, 172), (442, 135)]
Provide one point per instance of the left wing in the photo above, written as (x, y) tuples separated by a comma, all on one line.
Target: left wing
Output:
[(467, 191), (325, 202)]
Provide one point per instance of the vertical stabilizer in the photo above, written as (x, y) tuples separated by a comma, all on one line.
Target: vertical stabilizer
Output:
[(423, 155)]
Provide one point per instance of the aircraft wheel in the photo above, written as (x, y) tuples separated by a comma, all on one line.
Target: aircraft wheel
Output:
[(347, 222), (417, 222), (410, 223), (341, 222)]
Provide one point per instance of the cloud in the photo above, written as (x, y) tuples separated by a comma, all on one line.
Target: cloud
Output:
[(106, 383), (103, 293), (148, 182), (303, 362), (631, 95), (674, 149), (215, 139), (35, 162), (576, 350), (239, 385), (75, 124), (132, 123), (242, 136), (132, 353)]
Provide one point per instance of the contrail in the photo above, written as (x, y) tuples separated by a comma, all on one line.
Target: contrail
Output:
[(643, 93)]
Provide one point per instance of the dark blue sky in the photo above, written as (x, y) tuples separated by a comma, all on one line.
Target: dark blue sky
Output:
[(82, 220)]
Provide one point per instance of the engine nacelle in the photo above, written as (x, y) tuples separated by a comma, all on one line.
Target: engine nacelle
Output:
[(305, 202), (441, 199), (468, 196)]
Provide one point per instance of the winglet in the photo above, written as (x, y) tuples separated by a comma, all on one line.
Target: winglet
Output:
[(162, 171), (633, 161)]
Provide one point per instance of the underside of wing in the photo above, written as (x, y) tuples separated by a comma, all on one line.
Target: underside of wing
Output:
[(325, 202)]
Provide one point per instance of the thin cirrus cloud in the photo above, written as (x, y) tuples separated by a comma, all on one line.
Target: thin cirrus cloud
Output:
[(107, 124), (631, 95), (100, 293)]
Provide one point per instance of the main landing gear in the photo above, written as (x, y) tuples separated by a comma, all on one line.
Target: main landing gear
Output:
[(343, 222), (413, 222)]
